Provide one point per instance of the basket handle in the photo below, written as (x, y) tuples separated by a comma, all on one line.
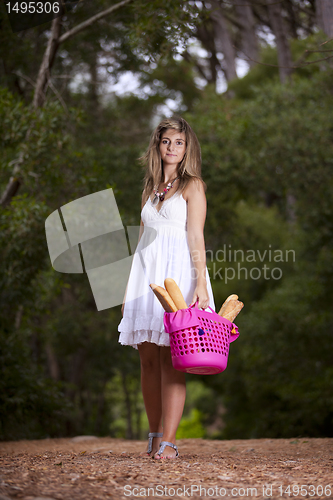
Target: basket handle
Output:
[(195, 304), (233, 336)]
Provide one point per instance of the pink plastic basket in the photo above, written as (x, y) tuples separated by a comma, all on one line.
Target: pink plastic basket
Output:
[(199, 340)]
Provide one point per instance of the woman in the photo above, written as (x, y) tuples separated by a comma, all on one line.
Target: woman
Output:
[(173, 205)]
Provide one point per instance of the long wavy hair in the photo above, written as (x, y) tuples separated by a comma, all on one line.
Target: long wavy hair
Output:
[(190, 166)]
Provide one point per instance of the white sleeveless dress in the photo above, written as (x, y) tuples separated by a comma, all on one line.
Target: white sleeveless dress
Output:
[(168, 256)]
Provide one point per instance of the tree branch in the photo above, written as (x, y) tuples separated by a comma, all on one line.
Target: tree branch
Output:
[(232, 20), (47, 63), (190, 59), (43, 81), (294, 65), (247, 4), (52, 87), (92, 20), (62, 102)]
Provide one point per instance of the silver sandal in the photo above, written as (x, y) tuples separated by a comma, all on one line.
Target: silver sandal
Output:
[(151, 436), (163, 444)]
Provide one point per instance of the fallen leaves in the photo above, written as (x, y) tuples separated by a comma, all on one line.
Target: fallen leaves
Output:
[(60, 469)]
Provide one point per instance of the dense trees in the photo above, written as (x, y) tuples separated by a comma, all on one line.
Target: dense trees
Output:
[(267, 159), (258, 154)]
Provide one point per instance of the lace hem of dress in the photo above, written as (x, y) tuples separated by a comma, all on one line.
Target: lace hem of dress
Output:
[(139, 329), (135, 338), (130, 324)]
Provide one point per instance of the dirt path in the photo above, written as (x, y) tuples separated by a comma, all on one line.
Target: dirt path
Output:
[(86, 469)]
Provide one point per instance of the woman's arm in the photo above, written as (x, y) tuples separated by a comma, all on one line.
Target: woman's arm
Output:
[(140, 234), (196, 216)]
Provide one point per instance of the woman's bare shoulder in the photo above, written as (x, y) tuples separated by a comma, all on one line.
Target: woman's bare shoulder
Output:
[(194, 186)]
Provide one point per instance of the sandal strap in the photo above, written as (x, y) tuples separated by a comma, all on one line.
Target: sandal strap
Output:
[(151, 436), (164, 444)]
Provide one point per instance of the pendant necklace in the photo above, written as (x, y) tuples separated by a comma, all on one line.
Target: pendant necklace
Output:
[(160, 196)]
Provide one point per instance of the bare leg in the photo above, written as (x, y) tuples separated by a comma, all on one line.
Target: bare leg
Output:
[(151, 387), (173, 399)]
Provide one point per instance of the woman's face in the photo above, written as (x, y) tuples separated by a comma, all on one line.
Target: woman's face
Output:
[(172, 147)]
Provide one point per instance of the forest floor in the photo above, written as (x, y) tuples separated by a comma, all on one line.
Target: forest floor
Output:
[(87, 468)]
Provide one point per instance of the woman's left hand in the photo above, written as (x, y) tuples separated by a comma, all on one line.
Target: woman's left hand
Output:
[(201, 293)]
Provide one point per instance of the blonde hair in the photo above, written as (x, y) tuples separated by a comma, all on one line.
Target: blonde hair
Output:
[(190, 166)]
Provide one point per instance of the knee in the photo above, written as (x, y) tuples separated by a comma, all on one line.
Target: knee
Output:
[(166, 360), (149, 364), (149, 357)]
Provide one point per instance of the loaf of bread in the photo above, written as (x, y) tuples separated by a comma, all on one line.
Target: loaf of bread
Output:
[(229, 307), (174, 291), (164, 298), (225, 303), (231, 314)]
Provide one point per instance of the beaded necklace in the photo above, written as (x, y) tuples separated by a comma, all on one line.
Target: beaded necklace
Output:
[(160, 196)]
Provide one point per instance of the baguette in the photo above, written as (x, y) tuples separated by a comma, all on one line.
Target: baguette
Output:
[(164, 298), (225, 303), (229, 307), (231, 315), (174, 291)]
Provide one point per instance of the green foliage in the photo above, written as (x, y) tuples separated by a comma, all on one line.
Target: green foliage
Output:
[(280, 365), (40, 144), (267, 72), (201, 410), (191, 427), (157, 29), (164, 81), (126, 415), (267, 163), (20, 222), (31, 404), (262, 250), (50, 363), (268, 149)]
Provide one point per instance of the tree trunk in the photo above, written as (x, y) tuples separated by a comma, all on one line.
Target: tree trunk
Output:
[(52, 362), (101, 406), (18, 316), (92, 97), (12, 186), (291, 208), (203, 34), (324, 13), (128, 406), (38, 101), (47, 63), (43, 81), (282, 45), (224, 42), (137, 413), (249, 37), (293, 22)]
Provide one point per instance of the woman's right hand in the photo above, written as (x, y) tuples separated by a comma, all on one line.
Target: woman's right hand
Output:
[(201, 295)]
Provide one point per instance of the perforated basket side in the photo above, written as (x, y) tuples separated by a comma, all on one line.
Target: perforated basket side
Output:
[(190, 340)]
